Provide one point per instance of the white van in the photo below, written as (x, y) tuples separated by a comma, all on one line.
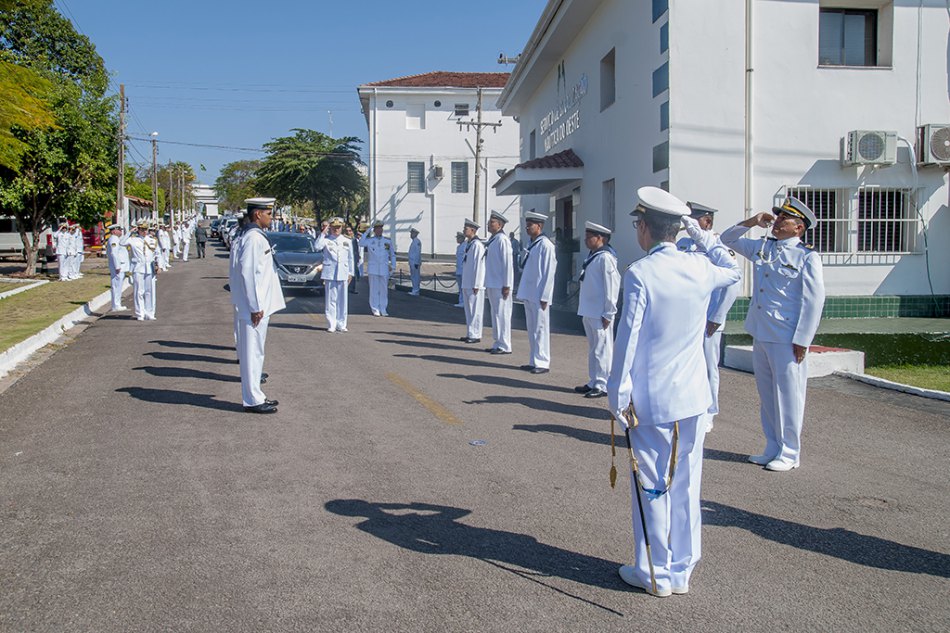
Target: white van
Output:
[(12, 245)]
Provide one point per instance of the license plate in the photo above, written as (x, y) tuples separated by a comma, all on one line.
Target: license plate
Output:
[(296, 279)]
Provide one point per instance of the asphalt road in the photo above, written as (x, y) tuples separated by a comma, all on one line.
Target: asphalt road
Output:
[(135, 494)]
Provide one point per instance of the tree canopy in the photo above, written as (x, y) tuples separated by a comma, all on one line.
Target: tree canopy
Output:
[(237, 183), (311, 166)]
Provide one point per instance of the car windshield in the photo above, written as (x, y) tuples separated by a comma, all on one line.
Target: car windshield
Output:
[(290, 243)]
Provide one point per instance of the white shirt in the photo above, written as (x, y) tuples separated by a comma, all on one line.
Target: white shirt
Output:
[(600, 285), (164, 242), (118, 255), (459, 256), (380, 254), (722, 298), (658, 363), (61, 242), (143, 252), (415, 251), (537, 278), (499, 267), (473, 265), (255, 285), (338, 262)]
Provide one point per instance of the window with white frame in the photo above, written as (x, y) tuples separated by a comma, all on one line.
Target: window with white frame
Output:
[(886, 222), (416, 177), (460, 177), (609, 205), (855, 33)]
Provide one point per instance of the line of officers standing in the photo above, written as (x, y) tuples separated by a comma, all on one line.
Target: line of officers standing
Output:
[(662, 384)]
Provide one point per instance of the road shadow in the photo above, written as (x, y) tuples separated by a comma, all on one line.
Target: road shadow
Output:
[(434, 529), (725, 456), (296, 326), (184, 372), (458, 347), (584, 435), (170, 396), (451, 360), (412, 335), (549, 406), (187, 345), (853, 547), (194, 358), (514, 383)]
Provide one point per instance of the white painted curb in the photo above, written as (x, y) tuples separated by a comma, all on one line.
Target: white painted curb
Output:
[(27, 286), (20, 352), (896, 386)]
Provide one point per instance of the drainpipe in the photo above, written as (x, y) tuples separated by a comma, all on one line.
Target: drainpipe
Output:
[(372, 159), (749, 85), (430, 194)]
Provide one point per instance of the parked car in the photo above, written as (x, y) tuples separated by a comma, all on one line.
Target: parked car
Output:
[(298, 263), (228, 230), (214, 228)]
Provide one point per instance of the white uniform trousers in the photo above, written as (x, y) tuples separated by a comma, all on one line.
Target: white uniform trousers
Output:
[(781, 383), (176, 250), (379, 294), (711, 347), (185, 247), (150, 298), (600, 351), (500, 318), (165, 258), (335, 307), (138, 293), (539, 334), (72, 267), (116, 288), (474, 312), (415, 274), (237, 323), (251, 352), (458, 282), (63, 260), (673, 519)]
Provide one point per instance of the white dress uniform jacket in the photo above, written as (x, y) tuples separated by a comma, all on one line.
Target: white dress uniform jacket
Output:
[(380, 255), (500, 273), (539, 263), (600, 286), (473, 278), (337, 257), (118, 265)]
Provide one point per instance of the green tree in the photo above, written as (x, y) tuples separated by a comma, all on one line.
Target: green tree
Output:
[(172, 177), (67, 170), (21, 107), (237, 183), (311, 166)]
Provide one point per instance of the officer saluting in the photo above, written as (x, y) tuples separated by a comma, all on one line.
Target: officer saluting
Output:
[(719, 304), (144, 266), (658, 386), (256, 294), (380, 263), (788, 294), (473, 283), (118, 265), (597, 306), (338, 268), (535, 290), (499, 278)]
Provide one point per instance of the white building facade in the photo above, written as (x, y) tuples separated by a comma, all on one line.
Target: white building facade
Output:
[(421, 155), (206, 200), (736, 105)]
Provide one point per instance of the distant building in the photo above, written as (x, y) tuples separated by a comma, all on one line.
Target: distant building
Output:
[(422, 165), (612, 95), (206, 200)]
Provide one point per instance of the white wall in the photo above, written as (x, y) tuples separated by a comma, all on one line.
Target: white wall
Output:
[(438, 213)]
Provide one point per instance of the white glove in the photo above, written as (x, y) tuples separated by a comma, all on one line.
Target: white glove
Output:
[(621, 420), (705, 240)]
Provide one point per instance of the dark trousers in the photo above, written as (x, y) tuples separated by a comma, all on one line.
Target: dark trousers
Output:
[(201, 250)]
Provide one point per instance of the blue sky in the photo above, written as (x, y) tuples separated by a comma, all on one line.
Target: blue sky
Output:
[(239, 73)]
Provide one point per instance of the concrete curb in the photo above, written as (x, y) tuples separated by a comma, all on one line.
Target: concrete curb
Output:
[(933, 394), (10, 358), (27, 286)]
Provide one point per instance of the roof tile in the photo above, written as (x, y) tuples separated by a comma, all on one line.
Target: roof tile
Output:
[(446, 79), (567, 158)]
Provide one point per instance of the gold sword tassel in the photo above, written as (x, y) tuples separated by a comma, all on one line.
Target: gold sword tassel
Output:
[(613, 454)]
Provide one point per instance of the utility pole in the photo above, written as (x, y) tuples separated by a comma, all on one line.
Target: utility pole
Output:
[(171, 198), (120, 185), (478, 124), (154, 175)]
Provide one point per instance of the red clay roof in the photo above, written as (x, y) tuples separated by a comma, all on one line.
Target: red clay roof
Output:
[(567, 158), (445, 79)]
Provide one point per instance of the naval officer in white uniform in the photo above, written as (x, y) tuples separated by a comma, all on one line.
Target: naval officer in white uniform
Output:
[(61, 245), (118, 256), (499, 279), (719, 304), (144, 267), (473, 283), (597, 307), (338, 268), (256, 294), (535, 290), (380, 262), (415, 261), (659, 371), (788, 294)]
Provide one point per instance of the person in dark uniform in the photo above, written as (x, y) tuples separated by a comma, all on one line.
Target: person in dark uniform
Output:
[(201, 237)]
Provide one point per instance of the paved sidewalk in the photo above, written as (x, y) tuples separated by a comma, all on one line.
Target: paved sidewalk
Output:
[(135, 495)]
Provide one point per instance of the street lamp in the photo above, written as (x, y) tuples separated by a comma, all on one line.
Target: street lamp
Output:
[(154, 136)]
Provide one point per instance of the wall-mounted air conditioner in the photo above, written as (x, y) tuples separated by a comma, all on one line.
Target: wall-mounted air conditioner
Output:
[(933, 144), (869, 147)]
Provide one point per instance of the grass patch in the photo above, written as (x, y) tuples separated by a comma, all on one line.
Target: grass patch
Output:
[(6, 286), (923, 376), (27, 313)]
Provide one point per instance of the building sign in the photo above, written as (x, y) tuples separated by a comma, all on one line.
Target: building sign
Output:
[(565, 118)]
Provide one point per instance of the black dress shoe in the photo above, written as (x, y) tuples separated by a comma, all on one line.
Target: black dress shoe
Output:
[(595, 393), (273, 403), (540, 370), (527, 367), (264, 407), (583, 388), (464, 339), (499, 351), (473, 340), (263, 379)]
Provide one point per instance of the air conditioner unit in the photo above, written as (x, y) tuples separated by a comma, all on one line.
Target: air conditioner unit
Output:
[(870, 147), (437, 172), (933, 144)]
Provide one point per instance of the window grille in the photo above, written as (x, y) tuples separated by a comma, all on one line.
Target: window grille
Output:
[(417, 177), (460, 177), (610, 203), (886, 221), (461, 109), (830, 233)]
